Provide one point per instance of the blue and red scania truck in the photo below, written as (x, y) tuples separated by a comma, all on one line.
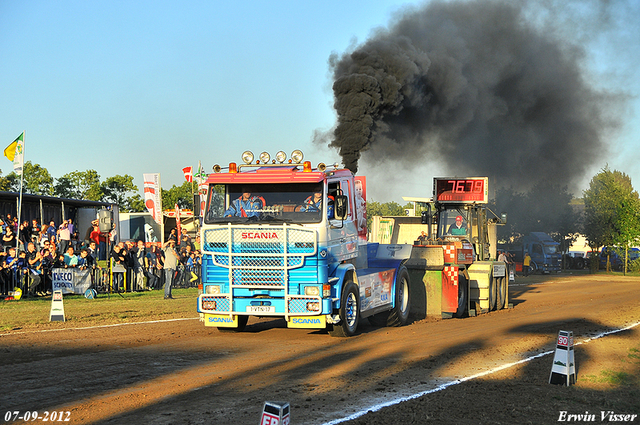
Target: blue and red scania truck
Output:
[(284, 239)]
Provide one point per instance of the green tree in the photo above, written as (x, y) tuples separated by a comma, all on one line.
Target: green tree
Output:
[(134, 204), (118, 189), (611, 211), (5, 184), (37, 180), (180, 195), (383, 209), (79, 185)]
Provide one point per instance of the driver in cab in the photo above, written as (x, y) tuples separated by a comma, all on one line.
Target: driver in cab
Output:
[(458, 228), (314, 204), (245, 206)]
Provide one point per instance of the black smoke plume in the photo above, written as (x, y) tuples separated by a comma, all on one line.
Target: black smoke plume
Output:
[(476, 87)]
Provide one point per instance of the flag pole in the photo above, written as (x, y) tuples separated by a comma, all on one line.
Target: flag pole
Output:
[(24, 136), (193, 205)]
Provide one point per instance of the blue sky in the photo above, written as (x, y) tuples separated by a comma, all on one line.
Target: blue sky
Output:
[(133, 87)]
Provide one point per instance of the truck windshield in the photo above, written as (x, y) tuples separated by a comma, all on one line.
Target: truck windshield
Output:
[(453, 222), (266, 203), (550, 249)]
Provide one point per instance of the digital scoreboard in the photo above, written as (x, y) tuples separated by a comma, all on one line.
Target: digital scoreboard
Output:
[(461, 190)]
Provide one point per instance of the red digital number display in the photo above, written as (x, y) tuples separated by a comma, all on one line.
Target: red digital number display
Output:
[(461, 190)]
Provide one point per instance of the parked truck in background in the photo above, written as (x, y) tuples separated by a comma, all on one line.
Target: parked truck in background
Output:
[(282, 239), (544, 251), (616, 257)]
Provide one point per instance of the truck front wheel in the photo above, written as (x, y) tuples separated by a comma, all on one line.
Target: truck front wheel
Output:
[(242, 322), (349, 312)]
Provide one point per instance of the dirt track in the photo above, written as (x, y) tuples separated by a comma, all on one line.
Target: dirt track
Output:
[(181, 372)]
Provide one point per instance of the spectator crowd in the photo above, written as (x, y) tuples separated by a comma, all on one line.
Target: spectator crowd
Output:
[(31, 251)]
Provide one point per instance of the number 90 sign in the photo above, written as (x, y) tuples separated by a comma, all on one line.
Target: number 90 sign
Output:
[(565, 341)]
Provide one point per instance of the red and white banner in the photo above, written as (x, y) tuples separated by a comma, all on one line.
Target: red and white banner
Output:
[(179, 230), (152, 198), (188, 173)]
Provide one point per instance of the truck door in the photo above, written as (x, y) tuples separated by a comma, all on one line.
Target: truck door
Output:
[(537, 254), (342, 234)]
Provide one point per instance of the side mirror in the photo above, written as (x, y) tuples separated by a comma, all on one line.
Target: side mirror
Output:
[(340, 207)]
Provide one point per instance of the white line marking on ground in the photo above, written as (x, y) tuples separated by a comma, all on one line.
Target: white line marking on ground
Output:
[(467, 378), (100, 326)]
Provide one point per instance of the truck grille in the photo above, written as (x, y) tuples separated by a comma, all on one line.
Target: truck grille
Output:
[(259, 256)]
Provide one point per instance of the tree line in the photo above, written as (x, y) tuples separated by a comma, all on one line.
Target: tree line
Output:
[(87, 185)]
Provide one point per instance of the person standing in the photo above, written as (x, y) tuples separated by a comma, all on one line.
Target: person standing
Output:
[(170, 265), (52, 230), (151, 264), (64, 236), (502, 257), (185, 240), (118, 266), (34, 266), (526, 264), (9, 239), (139, 255)]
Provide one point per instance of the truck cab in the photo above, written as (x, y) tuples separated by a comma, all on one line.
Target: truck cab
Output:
[(544, 252), (285, 239)]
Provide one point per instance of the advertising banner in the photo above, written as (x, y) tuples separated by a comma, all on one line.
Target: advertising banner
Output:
[(70, 281), (152, 197)]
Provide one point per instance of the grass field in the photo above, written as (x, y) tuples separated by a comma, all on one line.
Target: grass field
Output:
[(33, 313)]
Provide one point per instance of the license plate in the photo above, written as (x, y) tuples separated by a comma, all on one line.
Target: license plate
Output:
[(261, 309)]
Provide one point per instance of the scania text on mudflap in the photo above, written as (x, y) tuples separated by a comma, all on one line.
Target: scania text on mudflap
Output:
[(283, 239)]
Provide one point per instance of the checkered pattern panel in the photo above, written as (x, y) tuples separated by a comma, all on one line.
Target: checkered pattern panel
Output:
[(452, 274), (449, 253)]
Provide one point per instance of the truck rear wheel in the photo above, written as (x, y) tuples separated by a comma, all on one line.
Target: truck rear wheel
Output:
[(463, 294), (492, 293), (379, 320), (400, 313), (349, 312), (242, 322), (501, 289)]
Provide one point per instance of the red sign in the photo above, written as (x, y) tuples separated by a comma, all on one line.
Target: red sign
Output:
[(565, 341), (259, 235), (269, 419), (461, 190)]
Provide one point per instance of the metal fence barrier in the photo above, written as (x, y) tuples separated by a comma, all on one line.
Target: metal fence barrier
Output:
[(103, 279)]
